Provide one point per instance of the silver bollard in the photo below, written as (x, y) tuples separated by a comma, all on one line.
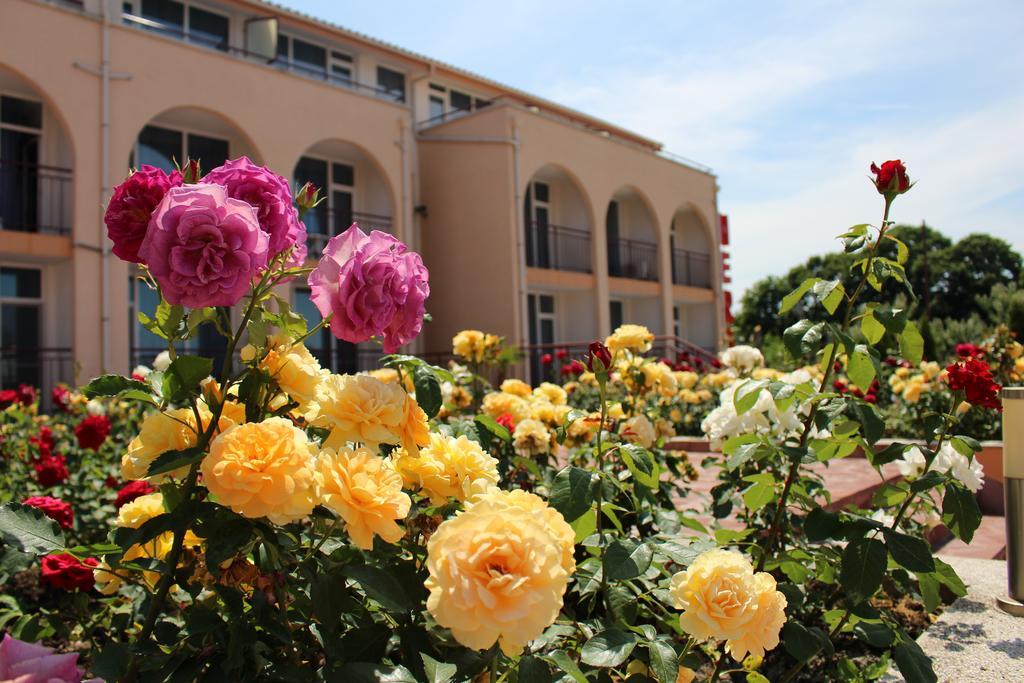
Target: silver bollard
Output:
[(1013, 492)]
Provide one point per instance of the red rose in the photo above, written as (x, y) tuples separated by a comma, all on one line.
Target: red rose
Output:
[(871, 398), (507, 421), (546, 359), (61, 397), (68, 572), (26, 394), (891, 179), (131, 491), (715, 363), (111, 482), (8, 397), (562, 354), (54, 508), (974, 378), (92, 431), (573, 368), (597, 351), (50, 469), (44, 441), (966, 350)]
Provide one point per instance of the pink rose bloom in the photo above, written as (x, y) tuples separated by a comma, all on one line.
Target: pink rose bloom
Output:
[(270, 195), (374, 286), (204, 248), (131, 206), (30, 663)]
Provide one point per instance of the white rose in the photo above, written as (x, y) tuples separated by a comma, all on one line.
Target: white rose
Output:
[(162, 361), (94, 407), (141, 371)]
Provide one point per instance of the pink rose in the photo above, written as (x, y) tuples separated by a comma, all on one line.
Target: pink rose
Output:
[(30, 663), (269, 194), (131, 206), (374, 286), (204, 248)]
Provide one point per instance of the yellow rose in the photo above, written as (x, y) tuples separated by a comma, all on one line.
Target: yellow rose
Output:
[(559, 528), (686, 379), (516, 387), (363, 409), (542, 409), (294, 369), (531, 437), (474, 345), (635, 338), (496, 574), (172, 430), (722, 598), (685, 675), (497, 404), (263, 469), (364, 491), (616, 412), (639, 430), (552, 392), (448, 468), (132, 515), (391, 376)]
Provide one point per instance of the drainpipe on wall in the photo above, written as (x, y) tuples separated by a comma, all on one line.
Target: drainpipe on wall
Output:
[(520, 231), (104, 183)]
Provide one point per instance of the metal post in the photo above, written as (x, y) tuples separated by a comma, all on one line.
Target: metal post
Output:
[(1013, 490)]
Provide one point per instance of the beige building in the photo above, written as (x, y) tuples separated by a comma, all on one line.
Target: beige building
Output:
[(537, 222)]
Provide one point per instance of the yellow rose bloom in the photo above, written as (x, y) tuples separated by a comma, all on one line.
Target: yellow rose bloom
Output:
[(639, 430), (685, 675), (263, 469), (722, 598), (132, 515), (496, 575), (559, 528), (474, 345), (516, 387), (542, 409), (363, 409), (497, 404), (364, 491), (294, 369), (616, 412), (552, 392), (172, 430), (635, 338), (531, 437), (448, 468), (686, 379), (391, 376)]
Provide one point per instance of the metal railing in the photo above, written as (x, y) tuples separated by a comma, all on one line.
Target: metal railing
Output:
[(39, 367), (35, 197), (557, 247), (691, 268), (633, 259), (323, 224), (321, 73), (452, 114), (674, 350)]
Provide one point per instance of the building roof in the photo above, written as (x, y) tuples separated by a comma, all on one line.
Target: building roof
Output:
[(590, 121)]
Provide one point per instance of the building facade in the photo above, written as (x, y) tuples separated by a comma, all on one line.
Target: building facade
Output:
[(536, 222)]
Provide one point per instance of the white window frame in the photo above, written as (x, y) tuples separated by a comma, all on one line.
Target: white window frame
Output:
[(185, 132), (185, 30)]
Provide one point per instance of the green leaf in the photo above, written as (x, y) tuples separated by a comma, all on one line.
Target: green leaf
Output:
[(758, 495), (641, 464), (570, 494), (438, 672), (625, 559), (428, 390), (913, 663), (664, 661), (746, 395), (909, 552), (821, 524), (966, 446), (533, 669), (226, 540), (874, 634), (960, 511), (112, 385), (172, 460), (911, 343), (947, 576), (608, 648), (363, 672), (861, 369), (794, 297), (380, 585), (487, 424), (800, 642), (830, 294), (863, 566), (872, 330), (563, 661), (585, 524), (27, 529), (181, 381), (755, 677)]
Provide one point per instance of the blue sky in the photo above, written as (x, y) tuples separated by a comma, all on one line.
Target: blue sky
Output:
[(788, 102)]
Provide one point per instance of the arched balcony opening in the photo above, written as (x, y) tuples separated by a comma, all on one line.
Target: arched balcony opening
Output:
[(691, 250), (36, 217), (557, 223), (632, 235)]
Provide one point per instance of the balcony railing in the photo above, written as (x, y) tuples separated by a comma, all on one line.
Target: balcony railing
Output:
[(557, 247), (633, 259), (675, 351), (691, 268), (315, 71), (452, 114), (43, 368), (35, 197), (323, 224)]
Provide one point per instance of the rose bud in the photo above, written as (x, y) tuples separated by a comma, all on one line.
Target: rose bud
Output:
[(599, 357), (891, 178), (190, 172)]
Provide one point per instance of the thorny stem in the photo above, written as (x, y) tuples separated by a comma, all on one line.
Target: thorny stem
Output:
[(600, 486), (775, 531)]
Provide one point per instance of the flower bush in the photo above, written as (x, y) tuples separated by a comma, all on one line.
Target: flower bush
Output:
[(271, 520)]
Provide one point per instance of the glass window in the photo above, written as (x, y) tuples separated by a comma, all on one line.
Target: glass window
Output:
[(159, 147), (436, 107), (391, 83), (343, 174), (20, 283), (19, 180), (547, 304), (313, 171), (19, 112), (282, 48), (540, 192), (165, 16), (208, 28), (615, 313), (461, 101), (309, 58), (211, 152), (439, 88)]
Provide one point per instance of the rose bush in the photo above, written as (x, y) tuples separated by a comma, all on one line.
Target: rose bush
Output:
[(257, 517)]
